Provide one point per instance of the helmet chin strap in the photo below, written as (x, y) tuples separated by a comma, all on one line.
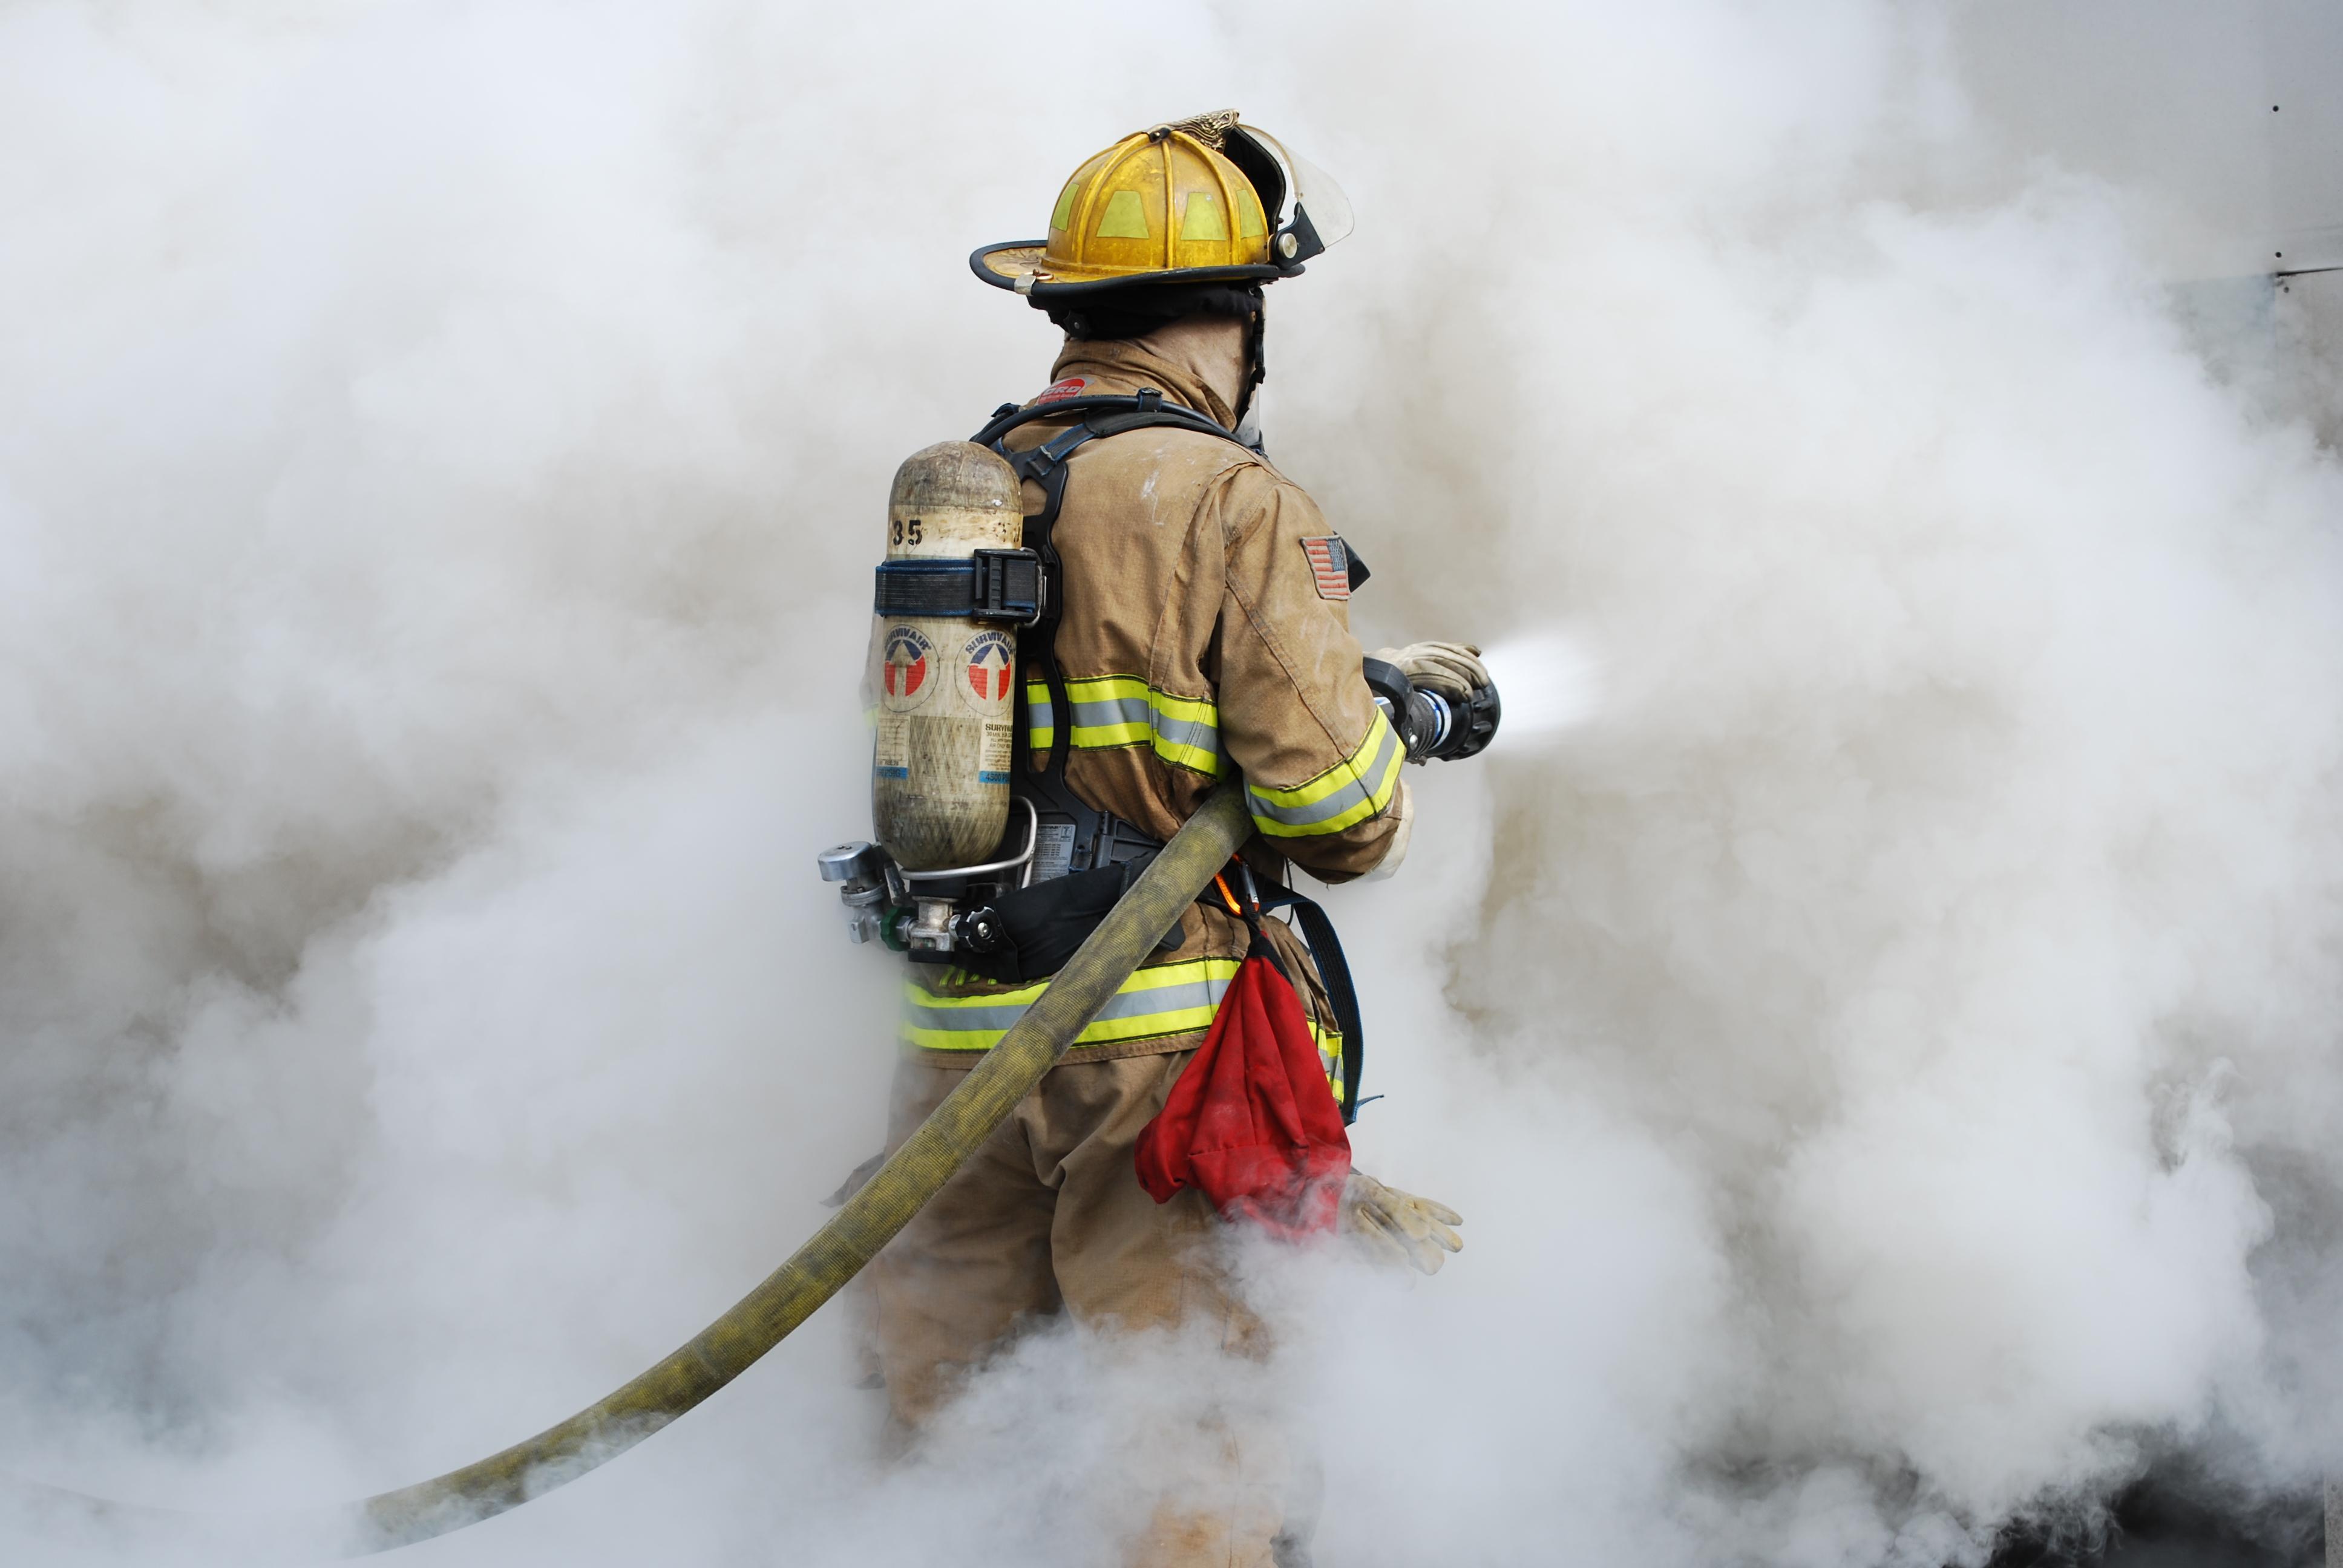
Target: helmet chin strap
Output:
[(1256, 372)]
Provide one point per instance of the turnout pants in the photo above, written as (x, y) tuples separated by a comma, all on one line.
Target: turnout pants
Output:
[(1049, 1217)]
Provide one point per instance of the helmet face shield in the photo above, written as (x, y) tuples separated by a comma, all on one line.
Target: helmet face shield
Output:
[(1319, 203)]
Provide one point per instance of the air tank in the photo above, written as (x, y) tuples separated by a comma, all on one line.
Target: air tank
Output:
[(943, 687)]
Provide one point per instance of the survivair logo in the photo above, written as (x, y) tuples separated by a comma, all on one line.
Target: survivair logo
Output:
[(904, 679), (1330, 564), (1059, 391), (991, 666)]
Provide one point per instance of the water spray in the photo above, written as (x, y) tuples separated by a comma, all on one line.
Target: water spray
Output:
[(1550, 686)]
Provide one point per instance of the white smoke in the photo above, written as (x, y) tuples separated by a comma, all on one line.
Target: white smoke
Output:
[(1881, 1046)]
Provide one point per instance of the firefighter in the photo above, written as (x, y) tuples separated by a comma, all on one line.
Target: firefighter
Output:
[(1201, 629)]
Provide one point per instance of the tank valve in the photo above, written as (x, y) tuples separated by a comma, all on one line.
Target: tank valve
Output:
[(863, 869)]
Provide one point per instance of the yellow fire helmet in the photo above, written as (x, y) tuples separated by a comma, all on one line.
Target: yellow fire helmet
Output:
[(1194, 201)]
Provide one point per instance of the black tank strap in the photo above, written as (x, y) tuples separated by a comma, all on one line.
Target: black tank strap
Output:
[(1334, 970)]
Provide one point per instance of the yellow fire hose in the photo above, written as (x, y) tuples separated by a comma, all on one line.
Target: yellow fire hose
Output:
[(836, 1253), (914, 1174)]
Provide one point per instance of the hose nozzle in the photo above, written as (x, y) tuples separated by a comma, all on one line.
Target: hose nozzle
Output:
[(1433, 724)]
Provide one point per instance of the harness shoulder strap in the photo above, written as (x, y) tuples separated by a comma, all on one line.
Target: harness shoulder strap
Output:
[(1101, 415), (1045, 465)]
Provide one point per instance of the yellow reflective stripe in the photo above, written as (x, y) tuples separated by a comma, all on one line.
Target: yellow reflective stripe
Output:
[(1187, 732), (1338, 777), (1354, 789), (1167, 998), (1330, 1055), (1102, 687), (1194, 710), (1110, 710), (1042, 728)]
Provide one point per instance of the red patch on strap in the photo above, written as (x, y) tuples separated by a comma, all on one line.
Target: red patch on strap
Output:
[(1059, 391), (1329, 563)]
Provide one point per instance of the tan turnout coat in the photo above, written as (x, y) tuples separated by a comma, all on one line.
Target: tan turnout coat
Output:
[(1204, 632)]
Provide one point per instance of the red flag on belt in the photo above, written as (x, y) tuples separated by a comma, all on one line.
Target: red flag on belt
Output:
[(1250, 1122)]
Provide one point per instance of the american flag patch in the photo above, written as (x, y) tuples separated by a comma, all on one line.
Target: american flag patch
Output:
[(1329, 563)]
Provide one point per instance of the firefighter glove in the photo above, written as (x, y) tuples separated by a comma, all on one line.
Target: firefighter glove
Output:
[(1453, 669), (1398, 1227)]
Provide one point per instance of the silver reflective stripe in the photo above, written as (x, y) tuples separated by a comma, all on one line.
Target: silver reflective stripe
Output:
[(1101, 713), (1201, 733), (1348, 797), (965, 1020)]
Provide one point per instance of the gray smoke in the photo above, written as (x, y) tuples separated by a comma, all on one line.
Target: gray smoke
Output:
[(1881, 1046)]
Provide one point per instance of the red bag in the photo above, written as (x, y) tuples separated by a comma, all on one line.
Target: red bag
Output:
[(1251, 1123)]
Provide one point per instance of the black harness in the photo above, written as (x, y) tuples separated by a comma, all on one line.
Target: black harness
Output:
[(1099, 838), (1102, 854)]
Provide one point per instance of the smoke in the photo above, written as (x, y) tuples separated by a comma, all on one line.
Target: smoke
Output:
[(1882, 1046)]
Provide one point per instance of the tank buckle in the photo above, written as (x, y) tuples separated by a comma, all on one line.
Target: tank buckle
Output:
[(1010, 586)]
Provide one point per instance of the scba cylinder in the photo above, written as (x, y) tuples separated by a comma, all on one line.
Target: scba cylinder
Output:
[(944, 685)]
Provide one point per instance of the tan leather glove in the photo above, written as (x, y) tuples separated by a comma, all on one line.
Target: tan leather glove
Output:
[(1398, 1227), (1450, 668)]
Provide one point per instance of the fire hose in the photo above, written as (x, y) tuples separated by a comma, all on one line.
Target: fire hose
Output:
[(900, 1188)]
